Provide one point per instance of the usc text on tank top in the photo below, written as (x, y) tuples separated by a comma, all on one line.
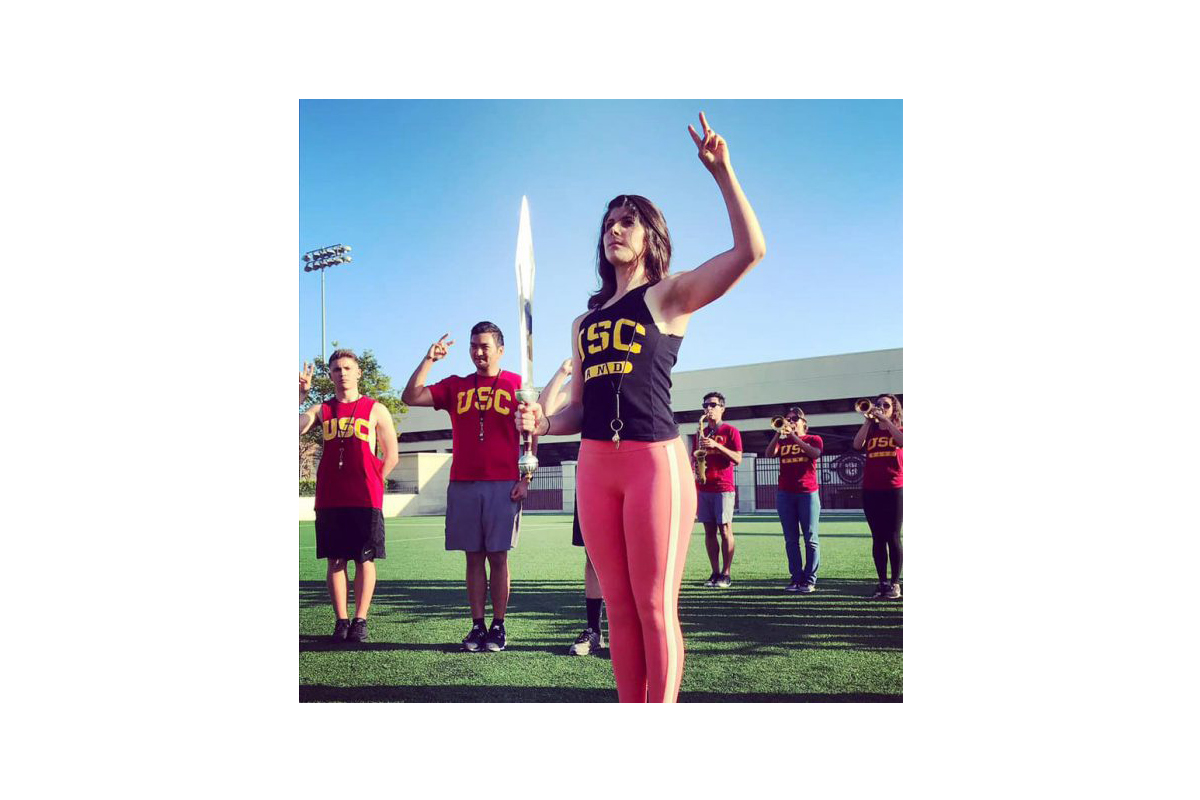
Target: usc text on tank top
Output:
[(620, 347), (349, 475)]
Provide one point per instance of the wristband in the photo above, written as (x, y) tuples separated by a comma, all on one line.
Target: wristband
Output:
[(547, 433)]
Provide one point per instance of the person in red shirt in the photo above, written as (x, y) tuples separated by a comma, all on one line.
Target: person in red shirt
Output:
[(350, 477), (881, 437), (716, 492), (798, 501), (483, 500)]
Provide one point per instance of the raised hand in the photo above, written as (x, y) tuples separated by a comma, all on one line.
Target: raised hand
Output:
[(306, 379), (438, 350), (711, 148), (567, 366)]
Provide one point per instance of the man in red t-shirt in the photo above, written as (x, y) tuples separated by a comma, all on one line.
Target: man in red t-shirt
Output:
[(716, 492), (798, 500), (483, 501), (350, 478)]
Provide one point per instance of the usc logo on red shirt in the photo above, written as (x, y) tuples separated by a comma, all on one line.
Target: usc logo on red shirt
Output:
[(792, 450), (881, 446), (345, 427), (484, 401)]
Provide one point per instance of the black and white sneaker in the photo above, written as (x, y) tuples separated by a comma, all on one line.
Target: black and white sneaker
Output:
[(587, 644), (495, 640), (723, 582), (794, 586), (358, 630), (712, 580), (340, 630), (475, 639)]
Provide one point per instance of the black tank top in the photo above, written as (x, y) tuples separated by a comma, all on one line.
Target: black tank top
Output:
[(621, 348)]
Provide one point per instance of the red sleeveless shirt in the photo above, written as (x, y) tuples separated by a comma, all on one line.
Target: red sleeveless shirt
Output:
[(349, 474)]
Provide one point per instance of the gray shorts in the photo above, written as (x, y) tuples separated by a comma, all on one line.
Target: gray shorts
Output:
[(715, 507), (481, 517)]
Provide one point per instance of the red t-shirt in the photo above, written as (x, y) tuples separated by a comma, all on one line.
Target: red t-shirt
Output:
[(349, 475), (468, 400), (798, 472), (718, 470), (885, 461)]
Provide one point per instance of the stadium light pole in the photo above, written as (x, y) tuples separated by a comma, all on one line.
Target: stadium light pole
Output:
[(320, 260)]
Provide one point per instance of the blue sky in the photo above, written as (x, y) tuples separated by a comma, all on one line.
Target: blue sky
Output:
[(428, 194)]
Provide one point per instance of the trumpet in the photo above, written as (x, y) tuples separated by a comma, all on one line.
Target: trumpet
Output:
[(700, 454), (864, 407), (782, 425)]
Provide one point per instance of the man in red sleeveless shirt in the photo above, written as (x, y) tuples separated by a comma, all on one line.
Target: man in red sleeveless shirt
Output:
[(715, 494), (483, 500), (350, 480)]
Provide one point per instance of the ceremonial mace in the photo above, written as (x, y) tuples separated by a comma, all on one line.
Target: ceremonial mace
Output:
[(526, 394)]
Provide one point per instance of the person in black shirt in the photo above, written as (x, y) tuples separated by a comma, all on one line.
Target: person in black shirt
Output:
[(637, 499)]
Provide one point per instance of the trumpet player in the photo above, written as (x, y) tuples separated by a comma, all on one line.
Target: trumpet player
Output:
[(881, 437), (722, 447), (798, 500)]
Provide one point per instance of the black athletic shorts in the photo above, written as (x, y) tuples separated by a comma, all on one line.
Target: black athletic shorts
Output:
[(354, 534)]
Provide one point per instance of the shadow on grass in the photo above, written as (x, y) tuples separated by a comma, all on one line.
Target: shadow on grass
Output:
[(758, 617), (773, 516), (541, 694), (556, 606), (750, 618), (737, 534)]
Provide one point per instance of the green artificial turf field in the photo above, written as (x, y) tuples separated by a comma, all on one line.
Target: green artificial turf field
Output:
[(751, 642)]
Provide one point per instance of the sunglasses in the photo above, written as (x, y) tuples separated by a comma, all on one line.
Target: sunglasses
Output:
[(710, 405)]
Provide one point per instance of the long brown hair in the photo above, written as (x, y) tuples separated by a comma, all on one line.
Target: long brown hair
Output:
[(656, 257), (897, 412)]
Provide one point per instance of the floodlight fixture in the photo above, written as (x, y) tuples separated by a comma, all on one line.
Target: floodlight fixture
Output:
[(320, 260)]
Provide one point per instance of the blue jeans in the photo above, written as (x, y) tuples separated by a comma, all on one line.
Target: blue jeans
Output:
[(800, 511)]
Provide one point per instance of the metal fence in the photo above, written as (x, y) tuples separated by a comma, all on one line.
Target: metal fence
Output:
[(839, 479), (545, 490)]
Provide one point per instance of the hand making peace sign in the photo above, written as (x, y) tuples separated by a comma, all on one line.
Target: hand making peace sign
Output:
[(306, 378), (713, 152), (438, 350)]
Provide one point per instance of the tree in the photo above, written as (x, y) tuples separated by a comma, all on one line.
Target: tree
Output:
[(373, 383)]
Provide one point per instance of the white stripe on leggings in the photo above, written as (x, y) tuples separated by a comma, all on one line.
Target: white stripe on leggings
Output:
[(670, 598)]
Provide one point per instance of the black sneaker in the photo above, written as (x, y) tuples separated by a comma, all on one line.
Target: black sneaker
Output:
[(712, 580), (358, 630), (474, 641), (495, 639), (340, 630), (587, 644), (723, 582)]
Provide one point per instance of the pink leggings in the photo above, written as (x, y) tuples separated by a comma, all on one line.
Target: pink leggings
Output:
[(637, 507)]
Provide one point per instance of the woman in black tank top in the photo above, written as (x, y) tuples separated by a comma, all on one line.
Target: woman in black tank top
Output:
[(623, 351)]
